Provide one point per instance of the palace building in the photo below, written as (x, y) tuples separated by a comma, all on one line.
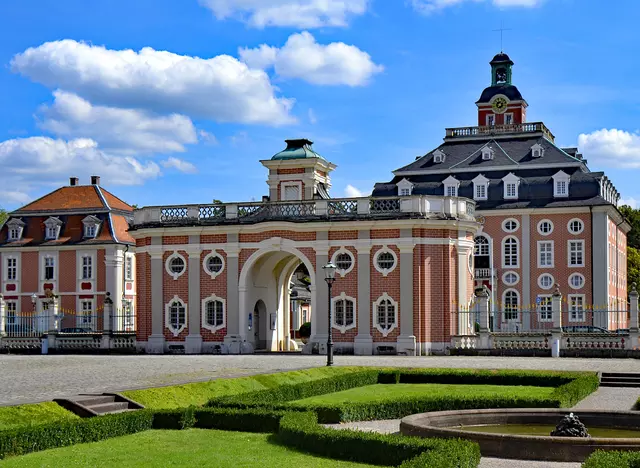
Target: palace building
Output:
[(497, 205)]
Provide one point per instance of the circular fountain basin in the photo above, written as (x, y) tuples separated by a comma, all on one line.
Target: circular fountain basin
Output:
[(524, 433)]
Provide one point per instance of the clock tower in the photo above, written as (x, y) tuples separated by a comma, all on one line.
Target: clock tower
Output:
[(501, 103)]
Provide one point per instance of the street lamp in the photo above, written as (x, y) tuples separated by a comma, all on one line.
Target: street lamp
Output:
[(330, 277), (34, 299)]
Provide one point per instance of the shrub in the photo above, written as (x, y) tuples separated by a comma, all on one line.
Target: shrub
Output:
[(572, 392), (602, 459), (61, 434), (305, 330), (488, 377), (389, 377), (226, 419)]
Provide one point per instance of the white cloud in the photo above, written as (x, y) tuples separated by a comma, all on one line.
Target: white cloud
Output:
[(180, 165), (351, 192), (125, 131), (220, 88), (207, 137), (302, 57), (312, 117), (431, 6), (632, 202), (296, 13), (611, 148)]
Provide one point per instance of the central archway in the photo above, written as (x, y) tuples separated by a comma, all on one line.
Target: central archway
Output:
[(264, 281)]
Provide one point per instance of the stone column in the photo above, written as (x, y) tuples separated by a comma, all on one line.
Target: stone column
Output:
[(556, 313), (232, 249), (363, 343), (114, 274), (3, 316), (53, 325), (525, 252), (193, 342), (155, 342), (320, 330), (406, 343), (107, 321), (633, 320), (482, 306)]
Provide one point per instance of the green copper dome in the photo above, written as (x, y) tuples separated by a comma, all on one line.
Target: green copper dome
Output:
[(297, 149)]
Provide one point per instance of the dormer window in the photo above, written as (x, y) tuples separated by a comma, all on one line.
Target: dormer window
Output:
[(438, 157), (480, 188), (15, 227), (511, 184), (451, 185), (561, 184), (487, 153), (537, 151), (91, 225), (52, 228), (405, 188)]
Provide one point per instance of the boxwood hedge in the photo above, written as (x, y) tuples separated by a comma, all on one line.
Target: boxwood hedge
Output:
[(615, 459)]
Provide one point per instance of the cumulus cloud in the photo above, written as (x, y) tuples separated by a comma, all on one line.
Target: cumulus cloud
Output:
[(221, 88), (179, 165), (296, 13), (631, 202), (431, 6), (351, 192), (302, 57), (125, 131), (611, 148)]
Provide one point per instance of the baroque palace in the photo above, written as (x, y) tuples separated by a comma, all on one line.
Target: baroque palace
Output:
[(497, 205)]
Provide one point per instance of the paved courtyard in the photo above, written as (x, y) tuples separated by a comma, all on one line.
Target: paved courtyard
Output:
[(25, 379)]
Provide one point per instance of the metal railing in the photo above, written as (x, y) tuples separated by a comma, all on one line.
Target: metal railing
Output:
[(488, 130)]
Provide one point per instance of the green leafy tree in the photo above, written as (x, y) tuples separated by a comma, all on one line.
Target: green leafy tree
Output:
[(633, 217), (3, 216), (633, 266)]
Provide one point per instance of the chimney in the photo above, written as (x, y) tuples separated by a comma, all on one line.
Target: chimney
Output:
[(73, 181), (95, 180)]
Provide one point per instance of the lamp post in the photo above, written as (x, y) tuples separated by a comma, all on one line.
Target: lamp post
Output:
[(330, 277), (34, 299)]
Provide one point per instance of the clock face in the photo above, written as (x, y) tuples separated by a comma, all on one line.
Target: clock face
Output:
[(499, 106)]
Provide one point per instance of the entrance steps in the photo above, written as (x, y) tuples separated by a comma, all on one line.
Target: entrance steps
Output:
[(611, 379), (90, 405)]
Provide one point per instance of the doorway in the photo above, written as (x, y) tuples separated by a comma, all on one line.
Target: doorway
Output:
[(259, 337)]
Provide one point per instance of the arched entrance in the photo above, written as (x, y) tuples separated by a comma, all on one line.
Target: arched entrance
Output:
[(265, 296)]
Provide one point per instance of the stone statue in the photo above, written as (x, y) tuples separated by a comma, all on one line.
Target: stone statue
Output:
[(570, 426)]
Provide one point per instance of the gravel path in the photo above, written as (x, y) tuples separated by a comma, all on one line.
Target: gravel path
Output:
[(610, 398)]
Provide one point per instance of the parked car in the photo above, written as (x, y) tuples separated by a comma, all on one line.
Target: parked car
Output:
[(76, 330), (622, 331), (585, 329)]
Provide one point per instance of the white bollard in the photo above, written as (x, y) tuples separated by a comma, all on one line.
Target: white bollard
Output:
[(555, 351)]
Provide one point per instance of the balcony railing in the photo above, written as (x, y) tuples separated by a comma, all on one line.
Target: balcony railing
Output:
[(470, 132), (333, 209), (483, 273)]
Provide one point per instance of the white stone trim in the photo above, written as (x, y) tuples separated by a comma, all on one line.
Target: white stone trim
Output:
[(546, 288), (205, 266), (451, 182), (15, 223), (5, 270), (167, 265), (404, 184), (132, 257), (90, 221), (343, 297), (574, 275), (574, 232), (385, 249), (480, 181), (384, 296), (537, 151), (510, 179), (517, 275), (52, 223), (518, 253), (56, 268), (553, 253), (167, 315), (504, 225), (584, 253), (284, 185), (343, 250), (583, 315), (561, 176), (203, 313), (79, 314), (439, 156), (539, 227)]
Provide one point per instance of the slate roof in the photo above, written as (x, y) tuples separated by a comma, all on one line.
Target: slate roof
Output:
[(508, 90)]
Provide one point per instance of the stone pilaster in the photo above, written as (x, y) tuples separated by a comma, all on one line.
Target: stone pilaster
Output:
[(155, 342), (236, 320), (3, 316), (406, 342), (363, 343), (193, 342), (525, 251), (114, 274), (320, 318)]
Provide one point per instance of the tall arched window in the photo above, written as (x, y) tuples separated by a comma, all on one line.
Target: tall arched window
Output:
[(511, 305), (510, 257)]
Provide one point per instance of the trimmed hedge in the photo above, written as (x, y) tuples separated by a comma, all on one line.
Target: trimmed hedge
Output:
[(602, 459), (301, 430), (226, 419), (61, 434)]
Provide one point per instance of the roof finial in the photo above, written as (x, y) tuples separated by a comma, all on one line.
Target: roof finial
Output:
[(502, 30)]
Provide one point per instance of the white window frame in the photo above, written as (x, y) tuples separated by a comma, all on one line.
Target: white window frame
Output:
[(546, 275), (283, 190), (81, 320), (385, 271), (576, 275), (15, 304), (573, 316), (205, 264), (439, 157), (54, 265), (546, 264), (451, 184), (205, 324), (478, 252), (487, 153), (167, 265), (504, 256), (334, 260), (376, 324), (91, 222), (167, 316), (491, 120), (504, 317), (480, 188), (541, 232), (511, 180), (537, 151), (15, 267), (514, 273), (129, 273), (343, 297), (547, 301), (89, 267), (504, 225), (575, 233), (559, 177), (405, 188), (582, 249), (52, 227), (508, 115), (15, 228)]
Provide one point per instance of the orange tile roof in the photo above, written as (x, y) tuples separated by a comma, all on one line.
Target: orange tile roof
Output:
[(121, 229), (67, 198), (114, 202)]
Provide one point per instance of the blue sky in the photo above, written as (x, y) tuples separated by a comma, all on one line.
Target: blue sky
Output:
[(176, 101)]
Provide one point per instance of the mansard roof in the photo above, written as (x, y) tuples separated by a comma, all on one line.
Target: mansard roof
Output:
[(85, 198)]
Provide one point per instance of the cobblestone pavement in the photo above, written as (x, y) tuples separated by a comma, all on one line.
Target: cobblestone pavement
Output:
[(40, 378)]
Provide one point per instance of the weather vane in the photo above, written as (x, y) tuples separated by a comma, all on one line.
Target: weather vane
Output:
[(501, 30)]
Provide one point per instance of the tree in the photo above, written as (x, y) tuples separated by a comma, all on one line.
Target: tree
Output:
[(633, 217), (3, 216), (633, 266)]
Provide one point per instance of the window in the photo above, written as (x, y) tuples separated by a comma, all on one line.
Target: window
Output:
[(12, 269), (213, 264), (405, 192), (404, 188), (291, 191), (128, 268), (14, 233), (576, 281), (344, 312), (576, 308), (511, 278), (90, 231), (481, 192), (510, 225), (546, 281), (451, 185), (91, 224), (545, 310), (49, 268), (508, 119), (86, 315), (480, 187), (385, 310), (15, 228), (537, 151), (175, 265), (481, 247), (52, 228), (545, 227), (575, 226), (561, 184), (561, 188), (545, 254), (343, 260), (576, 253), (12, 314), (215, 313), (511, 305), (510, 253), (511, 190), (87, 267), (438, 156), (385, 261), (176, 315), (452, 191), (52, 232), (487, 153), (491, 120)]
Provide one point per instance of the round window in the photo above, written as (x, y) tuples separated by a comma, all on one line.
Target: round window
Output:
[(510, 225), (576, 226), (343, 261), (177, 265), (510, 278), (545, 281), (545, 227), (214, 264), (576, 281), (386, 261)]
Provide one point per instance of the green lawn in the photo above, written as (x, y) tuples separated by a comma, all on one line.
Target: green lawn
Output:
[(192, 447), (381, 392), (29, 415)]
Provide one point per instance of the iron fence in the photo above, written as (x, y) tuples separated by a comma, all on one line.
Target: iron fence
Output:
[(26, 325)]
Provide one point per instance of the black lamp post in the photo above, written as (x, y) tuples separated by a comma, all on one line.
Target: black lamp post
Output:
[(330, 277)]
